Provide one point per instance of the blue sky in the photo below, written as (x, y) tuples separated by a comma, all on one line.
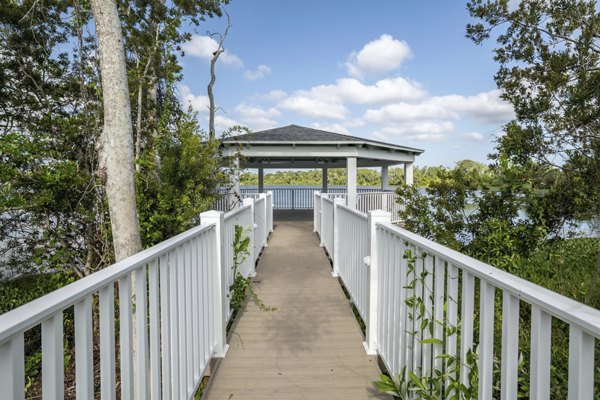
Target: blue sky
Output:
[(397, 71)]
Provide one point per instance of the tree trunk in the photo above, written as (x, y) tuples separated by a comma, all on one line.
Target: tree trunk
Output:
[(117, 150)]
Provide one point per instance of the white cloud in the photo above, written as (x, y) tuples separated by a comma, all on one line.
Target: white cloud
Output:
[(315, 108), (381, 55), (418, 131), (223, 123), (199, 104), (475, 136), (350, 90), (257, 118), (337, 128), (204, 47), (259, 73), (486, 107)]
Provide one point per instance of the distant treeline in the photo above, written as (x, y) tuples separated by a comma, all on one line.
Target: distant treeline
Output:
[(478, 175)]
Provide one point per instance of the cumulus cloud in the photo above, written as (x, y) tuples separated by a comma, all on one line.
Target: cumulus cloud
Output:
[(314, 107), (475, 136), (379, 56), (199, 103), (337, 128), (418, 131), (259, 73), (257, 118), (223, 123), (486, 107), (204, 47)]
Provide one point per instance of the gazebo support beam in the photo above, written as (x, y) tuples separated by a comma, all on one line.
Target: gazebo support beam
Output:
[(324, 181), (351, 181), (408, 173), (384, 177), (261, 180)]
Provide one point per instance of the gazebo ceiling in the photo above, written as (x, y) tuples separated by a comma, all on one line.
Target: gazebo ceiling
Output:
[(295, 146)]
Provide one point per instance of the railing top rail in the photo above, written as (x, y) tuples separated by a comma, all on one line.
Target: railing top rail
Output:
[(235, 212), (34, 312), (374, 193), (327, 199), (353, 211), (561, 307), (259, 199)]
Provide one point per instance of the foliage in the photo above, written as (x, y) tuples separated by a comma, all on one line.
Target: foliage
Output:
[(549, 70), (443, 381), (242, 285), (53, 208)]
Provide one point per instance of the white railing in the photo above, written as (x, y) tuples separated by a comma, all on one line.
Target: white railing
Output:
[(327, 223), (317, 213), (173, 295), (386, 201), (419, 307), (351, 247)]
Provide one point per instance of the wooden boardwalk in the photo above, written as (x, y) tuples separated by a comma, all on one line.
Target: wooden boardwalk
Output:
[(311, 347)]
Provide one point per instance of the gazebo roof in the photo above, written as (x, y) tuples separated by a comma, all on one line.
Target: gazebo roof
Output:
[(296, 146)]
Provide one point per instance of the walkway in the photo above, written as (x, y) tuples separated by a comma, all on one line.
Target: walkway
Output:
[(311, 347)]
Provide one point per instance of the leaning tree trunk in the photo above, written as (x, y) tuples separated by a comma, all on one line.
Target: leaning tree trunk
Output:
[(117, 137)]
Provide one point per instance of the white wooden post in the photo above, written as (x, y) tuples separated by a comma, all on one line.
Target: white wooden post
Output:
[(322, 221), (336, 237), (220, 286), (384, 178), (270, 207), (316, 207), (373, 264), (265, 231), (351, 181), (408, 173), (253, 242)]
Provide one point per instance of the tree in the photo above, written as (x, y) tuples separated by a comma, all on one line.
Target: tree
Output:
[(549, 56), (117, 137)]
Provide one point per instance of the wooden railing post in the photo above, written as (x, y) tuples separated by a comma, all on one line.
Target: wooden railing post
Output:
[(316, 207), (265, 228), (336, 236), (220, 285), (373, 263), (270, 207), (253, 242), (322, 222)]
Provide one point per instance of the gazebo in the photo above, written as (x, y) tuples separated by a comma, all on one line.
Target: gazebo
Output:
[(296, 146)]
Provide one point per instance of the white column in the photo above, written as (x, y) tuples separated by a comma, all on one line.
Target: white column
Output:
[(384, 177), (220, 283), (408, 173), (351, 181), (261, 180), (373, 263), (324, 181)]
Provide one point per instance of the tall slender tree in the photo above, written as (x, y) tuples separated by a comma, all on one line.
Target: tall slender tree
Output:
[(116, 148)]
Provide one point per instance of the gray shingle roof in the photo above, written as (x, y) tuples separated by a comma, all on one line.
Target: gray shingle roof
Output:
[(296, 134)]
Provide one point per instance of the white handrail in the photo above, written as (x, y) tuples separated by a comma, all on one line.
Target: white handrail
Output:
[(34, 312)]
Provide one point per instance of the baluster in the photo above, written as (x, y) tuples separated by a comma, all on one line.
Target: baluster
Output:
[(510, 346), (125, 337), (107, 342), (53, 373), (12, 367), (84, 355), (486, 339), (541, 331)]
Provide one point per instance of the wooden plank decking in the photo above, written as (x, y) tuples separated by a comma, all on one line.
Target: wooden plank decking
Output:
[(311, 347)]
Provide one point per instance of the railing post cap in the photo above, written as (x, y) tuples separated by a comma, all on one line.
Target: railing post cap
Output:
[(211, 214), (380, 214)]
